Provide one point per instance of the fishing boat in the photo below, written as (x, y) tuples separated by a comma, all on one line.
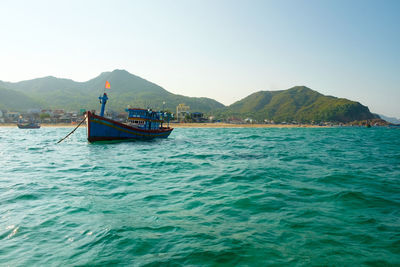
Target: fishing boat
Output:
[(142, 124), (29, 125)]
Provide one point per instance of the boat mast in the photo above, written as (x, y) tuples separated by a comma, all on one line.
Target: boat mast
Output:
[(104, 98), (103, 101)]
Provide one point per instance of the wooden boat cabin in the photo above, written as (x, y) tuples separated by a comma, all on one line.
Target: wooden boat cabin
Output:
[(144, 118)]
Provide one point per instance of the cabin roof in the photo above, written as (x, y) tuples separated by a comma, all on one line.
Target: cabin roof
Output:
[(133, 109)]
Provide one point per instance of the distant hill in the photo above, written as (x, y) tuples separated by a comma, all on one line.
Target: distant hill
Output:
[(13, 101), (296, 104), (390, 119), (126, 89)]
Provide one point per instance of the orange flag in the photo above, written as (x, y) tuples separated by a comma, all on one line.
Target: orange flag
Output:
[(108, 86)]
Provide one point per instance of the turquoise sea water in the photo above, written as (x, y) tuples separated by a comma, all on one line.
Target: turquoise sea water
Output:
[(202, 197)]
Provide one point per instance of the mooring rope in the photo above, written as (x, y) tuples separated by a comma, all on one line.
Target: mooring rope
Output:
[(72, 131)]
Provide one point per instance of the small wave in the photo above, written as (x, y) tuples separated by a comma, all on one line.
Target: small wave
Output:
[(158, 229), (227, 257), (25, 197), (119, 195), (49, 222), (127, 167), (337, 178), (34, 148), (379, 262), (309, 192), (254, 136), (155, 198), (243, 203), (310, 213), (11, 231), (193, 204), (212, 181), (360, 200), (77, 210), (351, 196)]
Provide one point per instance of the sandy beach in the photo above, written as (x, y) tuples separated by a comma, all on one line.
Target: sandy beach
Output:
[(13, 125), (193, 125), (231, 125)]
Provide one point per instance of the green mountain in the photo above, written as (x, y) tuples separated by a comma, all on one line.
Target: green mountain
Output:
[(390, 119), (296, 104), (126, 89), (14, 101)]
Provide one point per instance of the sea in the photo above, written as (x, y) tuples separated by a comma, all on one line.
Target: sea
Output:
[(202, 197)]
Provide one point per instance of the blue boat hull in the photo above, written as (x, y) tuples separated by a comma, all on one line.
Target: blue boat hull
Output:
[(103, 129)]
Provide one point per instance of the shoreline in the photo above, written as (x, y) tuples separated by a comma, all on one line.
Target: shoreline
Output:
[(232, 125), (189, 125), (199, 125)]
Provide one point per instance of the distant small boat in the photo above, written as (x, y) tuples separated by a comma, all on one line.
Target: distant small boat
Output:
[(29, 125), (143, 124)]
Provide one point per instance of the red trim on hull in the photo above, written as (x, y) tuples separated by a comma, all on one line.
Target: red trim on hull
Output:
[(101, 138)]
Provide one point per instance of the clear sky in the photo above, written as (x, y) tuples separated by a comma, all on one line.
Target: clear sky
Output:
[(220, 49)]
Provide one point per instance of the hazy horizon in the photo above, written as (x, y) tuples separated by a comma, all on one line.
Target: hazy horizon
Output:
[(224, 50)]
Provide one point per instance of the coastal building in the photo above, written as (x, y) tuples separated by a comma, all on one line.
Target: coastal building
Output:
[(41, 115), (234, 120), (47, 111), (34, 111), (249, 120), (12, 117), (58, 112), (197, 117), (181, 112)]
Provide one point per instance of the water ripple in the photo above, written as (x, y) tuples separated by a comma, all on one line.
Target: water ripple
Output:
[(203, 197)]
